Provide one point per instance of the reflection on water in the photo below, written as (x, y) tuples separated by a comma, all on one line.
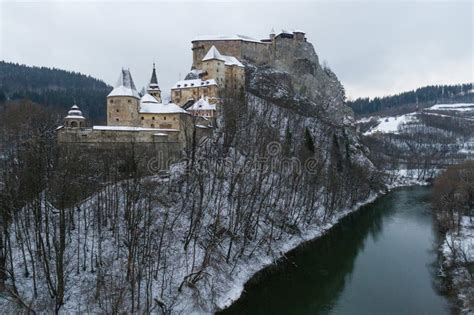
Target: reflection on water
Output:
[(376, 261)]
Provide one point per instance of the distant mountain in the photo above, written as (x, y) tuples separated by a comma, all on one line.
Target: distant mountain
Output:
[(54, 87), (409, 101)]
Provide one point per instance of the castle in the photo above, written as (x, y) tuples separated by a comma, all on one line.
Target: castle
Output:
[(217, 70)]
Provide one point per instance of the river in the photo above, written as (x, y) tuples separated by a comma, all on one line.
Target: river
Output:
[(380, 260)]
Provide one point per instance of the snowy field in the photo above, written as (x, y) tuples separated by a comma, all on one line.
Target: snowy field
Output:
[(392, 124)]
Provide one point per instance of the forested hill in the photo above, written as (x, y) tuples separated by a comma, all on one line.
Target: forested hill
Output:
[(408, 101), (53, 87)]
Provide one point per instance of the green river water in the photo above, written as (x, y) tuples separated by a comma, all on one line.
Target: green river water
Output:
[(379, 260)]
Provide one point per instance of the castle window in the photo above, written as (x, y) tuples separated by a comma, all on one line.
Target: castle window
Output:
[(111, 101), (143, 117), (153, 118), (152, 126), (164, 118), (129, 101), (117, 110), (116, 119)]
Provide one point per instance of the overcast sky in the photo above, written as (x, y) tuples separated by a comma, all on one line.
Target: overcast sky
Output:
[(376, 48)]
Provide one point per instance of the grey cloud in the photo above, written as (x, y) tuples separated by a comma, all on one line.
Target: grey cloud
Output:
[(376, 48)]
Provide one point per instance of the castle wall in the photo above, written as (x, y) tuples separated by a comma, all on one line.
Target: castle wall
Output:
[(225, 47), (122, 111), (257, 52), (234, 78), (181, 96), (215, 69), (165, 121), (94, 136)]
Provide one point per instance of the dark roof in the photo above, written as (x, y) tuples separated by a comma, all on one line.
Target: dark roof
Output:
[(154, 80)]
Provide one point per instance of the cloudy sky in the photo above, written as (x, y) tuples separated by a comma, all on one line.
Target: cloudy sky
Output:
[(376, 48)]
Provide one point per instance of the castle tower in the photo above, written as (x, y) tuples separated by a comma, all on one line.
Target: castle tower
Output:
[(213, 64), (123, 102), (299, 35), (153, 87), (74, 118)]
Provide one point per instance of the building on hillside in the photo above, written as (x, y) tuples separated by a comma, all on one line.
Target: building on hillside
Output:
[(259, 51), (228, 71), (215, 76), (189, 91), (131, 119), (154, 114), (203, 108)]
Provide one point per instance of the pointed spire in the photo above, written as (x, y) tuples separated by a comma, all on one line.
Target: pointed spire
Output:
[(153, 86), (153, 79), (272, 31)]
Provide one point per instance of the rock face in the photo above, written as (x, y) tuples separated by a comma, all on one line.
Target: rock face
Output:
[(305, 95), (299, 62)]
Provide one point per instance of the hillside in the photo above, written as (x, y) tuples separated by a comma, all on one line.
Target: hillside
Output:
[(410, 101), (283, 165), (53, 87)]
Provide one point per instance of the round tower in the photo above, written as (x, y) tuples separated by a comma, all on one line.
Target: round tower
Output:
[(74, 118), (123, 102)]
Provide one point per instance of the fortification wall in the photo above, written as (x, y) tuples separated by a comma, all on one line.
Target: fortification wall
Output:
[(257, 52), (93, 136)]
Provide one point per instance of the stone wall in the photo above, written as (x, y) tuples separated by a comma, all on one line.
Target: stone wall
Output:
[(215, 69), (122, 111), (181, 96), (234, 78), (91, 136), (166, 121), (256, 52)]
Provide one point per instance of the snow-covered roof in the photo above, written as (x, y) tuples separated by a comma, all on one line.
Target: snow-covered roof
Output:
[(202, 104), (74, 117), (213, 53), (125, 86), (149, 105), (193, 83), (74, 113), (225, 37), (127, 128), (194, 74)]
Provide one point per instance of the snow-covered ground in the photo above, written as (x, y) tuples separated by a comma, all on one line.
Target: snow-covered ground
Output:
[(462, 245), (392, 124), (226, 281)]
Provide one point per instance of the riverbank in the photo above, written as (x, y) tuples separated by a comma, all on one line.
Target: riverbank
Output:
[(257, 265), (377, 260), (457, 251)]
